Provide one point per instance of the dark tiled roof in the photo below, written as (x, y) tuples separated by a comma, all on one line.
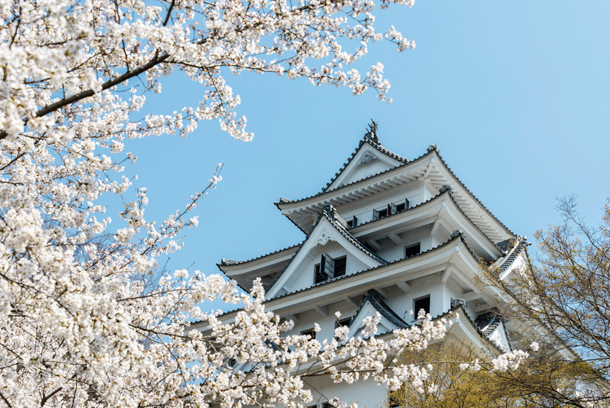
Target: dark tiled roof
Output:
[(463, 313), (471, 194), (518, 246), (501, 245), (489, 321), (228, 262), (374, 298), (431, 149), (426, 202), (505, 245), (459, 236), (331, 218), (287, 201), (331, 215), (481, 332), (373, 142)]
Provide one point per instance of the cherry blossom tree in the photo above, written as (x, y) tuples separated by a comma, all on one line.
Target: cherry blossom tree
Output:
[(85, 320)]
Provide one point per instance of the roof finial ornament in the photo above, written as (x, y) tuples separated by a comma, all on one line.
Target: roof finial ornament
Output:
[(330, 210), (444, 188), (457, 233), (432, 147), (372, 132)]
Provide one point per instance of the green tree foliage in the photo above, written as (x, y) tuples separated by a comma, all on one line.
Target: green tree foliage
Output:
[(564, 292), (535, 384)]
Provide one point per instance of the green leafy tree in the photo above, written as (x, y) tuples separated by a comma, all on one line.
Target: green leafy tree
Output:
[(563, 292)]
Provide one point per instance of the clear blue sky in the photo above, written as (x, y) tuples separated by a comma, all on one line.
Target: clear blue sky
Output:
[(515, 94)]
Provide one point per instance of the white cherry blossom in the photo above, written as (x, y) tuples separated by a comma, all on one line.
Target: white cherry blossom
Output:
[(86, 318)]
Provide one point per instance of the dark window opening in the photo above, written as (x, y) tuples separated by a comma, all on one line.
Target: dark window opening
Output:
[(421, 303), (390, 210), (343, 322), (311, 332), (340, 264), (412, 250), (379, 214), (352, 223), (403, 206), (329, 268), (319, 276)]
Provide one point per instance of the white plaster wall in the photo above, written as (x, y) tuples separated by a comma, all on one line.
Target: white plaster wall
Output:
[(440, 236), (429, 190), (363, 208), (428, 285), (392, 252), (368, 394), (366, 170), (452, 291), (327, 323), (304, 274)]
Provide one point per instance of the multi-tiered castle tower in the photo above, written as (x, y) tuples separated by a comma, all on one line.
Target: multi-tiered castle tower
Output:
[(387, 235)]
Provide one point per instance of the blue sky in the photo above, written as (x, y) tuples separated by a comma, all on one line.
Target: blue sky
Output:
[(515, 94)]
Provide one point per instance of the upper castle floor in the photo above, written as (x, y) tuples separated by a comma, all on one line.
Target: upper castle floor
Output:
[(386, 235)]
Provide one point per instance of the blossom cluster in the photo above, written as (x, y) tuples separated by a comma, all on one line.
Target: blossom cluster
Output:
[(87, 316)]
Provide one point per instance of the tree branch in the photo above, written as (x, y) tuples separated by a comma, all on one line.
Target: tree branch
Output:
[(90, 92), (47, 397)]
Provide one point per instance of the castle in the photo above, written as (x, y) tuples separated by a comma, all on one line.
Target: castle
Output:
[(389, 235)]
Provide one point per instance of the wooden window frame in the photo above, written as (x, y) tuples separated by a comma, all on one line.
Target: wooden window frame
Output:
[(415, 310), (415, 244)]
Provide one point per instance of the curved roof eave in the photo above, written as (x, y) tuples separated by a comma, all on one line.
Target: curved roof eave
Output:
[(226, 265), (472, 195), (429, 202), (377, 146), (342, 230), (436, 248), (284, 203), (375, 299), (287, 202)]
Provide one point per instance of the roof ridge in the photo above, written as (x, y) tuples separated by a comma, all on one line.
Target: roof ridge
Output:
[(374, 297), (453, 238), (430, 149), (287, 201), (341, 230), (507, 260), (481, 333), (440, 193), (492, 325), (470, 192), (372, 139)]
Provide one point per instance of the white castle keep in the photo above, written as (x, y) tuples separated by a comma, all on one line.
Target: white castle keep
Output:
[(389, 235)]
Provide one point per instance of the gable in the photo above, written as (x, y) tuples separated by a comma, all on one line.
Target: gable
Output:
[(498, 337), (370, 306), (328, 237), (366, 162), (304, 274)]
